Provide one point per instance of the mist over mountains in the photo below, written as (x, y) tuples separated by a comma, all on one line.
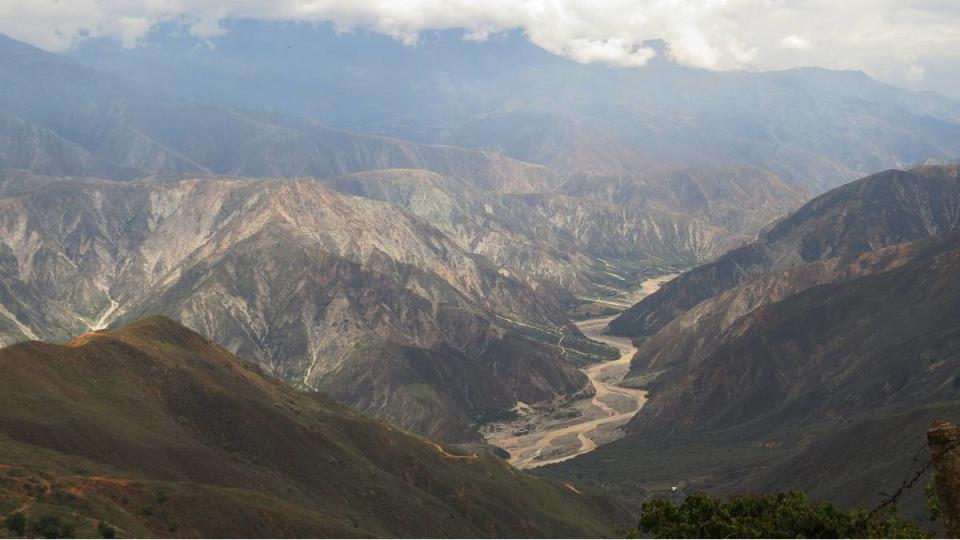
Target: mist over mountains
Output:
[(815, 128)]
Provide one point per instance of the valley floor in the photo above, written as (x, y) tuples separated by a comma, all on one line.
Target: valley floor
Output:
[(546, 435)]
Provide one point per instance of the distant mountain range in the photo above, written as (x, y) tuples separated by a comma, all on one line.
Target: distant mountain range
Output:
[(815, 128), (817, 357), (152, 430)]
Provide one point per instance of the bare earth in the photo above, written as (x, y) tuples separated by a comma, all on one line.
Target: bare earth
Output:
[(545, 435)]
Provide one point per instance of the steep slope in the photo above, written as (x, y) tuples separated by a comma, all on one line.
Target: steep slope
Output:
[(829, 390), (686, 340), (678, 217), (833, 349), (484, 223), (564, 143), (144, 132), (27, 146), (696, 213), (877, 211), (299, 278), (156, 431)]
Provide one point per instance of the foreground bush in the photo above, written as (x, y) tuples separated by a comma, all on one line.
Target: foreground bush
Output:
[(783, 515)]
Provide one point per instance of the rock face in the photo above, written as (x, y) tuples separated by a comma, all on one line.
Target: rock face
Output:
[(495, 226), (302, 279), (153, 429), (877, 211)]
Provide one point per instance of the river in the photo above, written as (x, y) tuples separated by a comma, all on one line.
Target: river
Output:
[(544, 435)]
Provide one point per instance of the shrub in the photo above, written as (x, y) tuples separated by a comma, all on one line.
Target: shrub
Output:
[(16, 523), (783, 515), (51, 527), (106, 531)]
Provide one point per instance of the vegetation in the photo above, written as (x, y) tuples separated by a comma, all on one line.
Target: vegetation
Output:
[(106, 531), (16, 523), (300, 464), (51, 527), (782, 515)]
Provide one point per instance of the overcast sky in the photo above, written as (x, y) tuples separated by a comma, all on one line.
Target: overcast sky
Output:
[(913, 43)]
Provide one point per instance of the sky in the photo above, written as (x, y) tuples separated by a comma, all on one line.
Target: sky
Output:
[(912, 43)]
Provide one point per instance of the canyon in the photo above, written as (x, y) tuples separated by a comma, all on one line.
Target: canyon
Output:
[(544, 435)]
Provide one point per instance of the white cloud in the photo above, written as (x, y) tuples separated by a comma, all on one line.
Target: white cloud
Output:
[(914, 74), (883, 37), (796, 43)]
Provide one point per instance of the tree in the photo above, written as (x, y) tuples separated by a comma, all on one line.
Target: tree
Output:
[(782, 515), (51, 527), (106, 531), (16, 523)]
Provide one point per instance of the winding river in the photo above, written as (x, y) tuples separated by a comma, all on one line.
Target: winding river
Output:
[(542, 436)]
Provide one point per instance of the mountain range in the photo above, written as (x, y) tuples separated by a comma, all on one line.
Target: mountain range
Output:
[(247, 298), (815, 128), (426, 284), (818, 357)]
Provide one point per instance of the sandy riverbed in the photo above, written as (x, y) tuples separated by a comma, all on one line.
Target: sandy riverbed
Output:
[(545, 435)]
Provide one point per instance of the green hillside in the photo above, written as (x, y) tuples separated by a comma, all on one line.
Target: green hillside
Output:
[(155, 431)]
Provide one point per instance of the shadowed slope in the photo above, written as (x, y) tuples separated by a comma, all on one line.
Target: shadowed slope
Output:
[(881, 210)]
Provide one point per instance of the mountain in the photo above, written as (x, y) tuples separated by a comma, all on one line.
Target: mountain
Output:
[(27, 146), (153, 430), (812, 127), (492, 225), (142, 132), (679, 215), (126, 131), (829, 390), (325, 290), (686, 340), (821, 373), (592, 232), (830, 351), (881, 210), (435, 297)]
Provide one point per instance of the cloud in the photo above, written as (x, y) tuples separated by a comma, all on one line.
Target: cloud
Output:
[(796, 43), (889, 38)]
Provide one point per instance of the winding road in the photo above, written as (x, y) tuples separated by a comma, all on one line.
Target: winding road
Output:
[(538, 439)]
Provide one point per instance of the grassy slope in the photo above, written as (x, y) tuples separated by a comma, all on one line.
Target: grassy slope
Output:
[(158, 431)]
